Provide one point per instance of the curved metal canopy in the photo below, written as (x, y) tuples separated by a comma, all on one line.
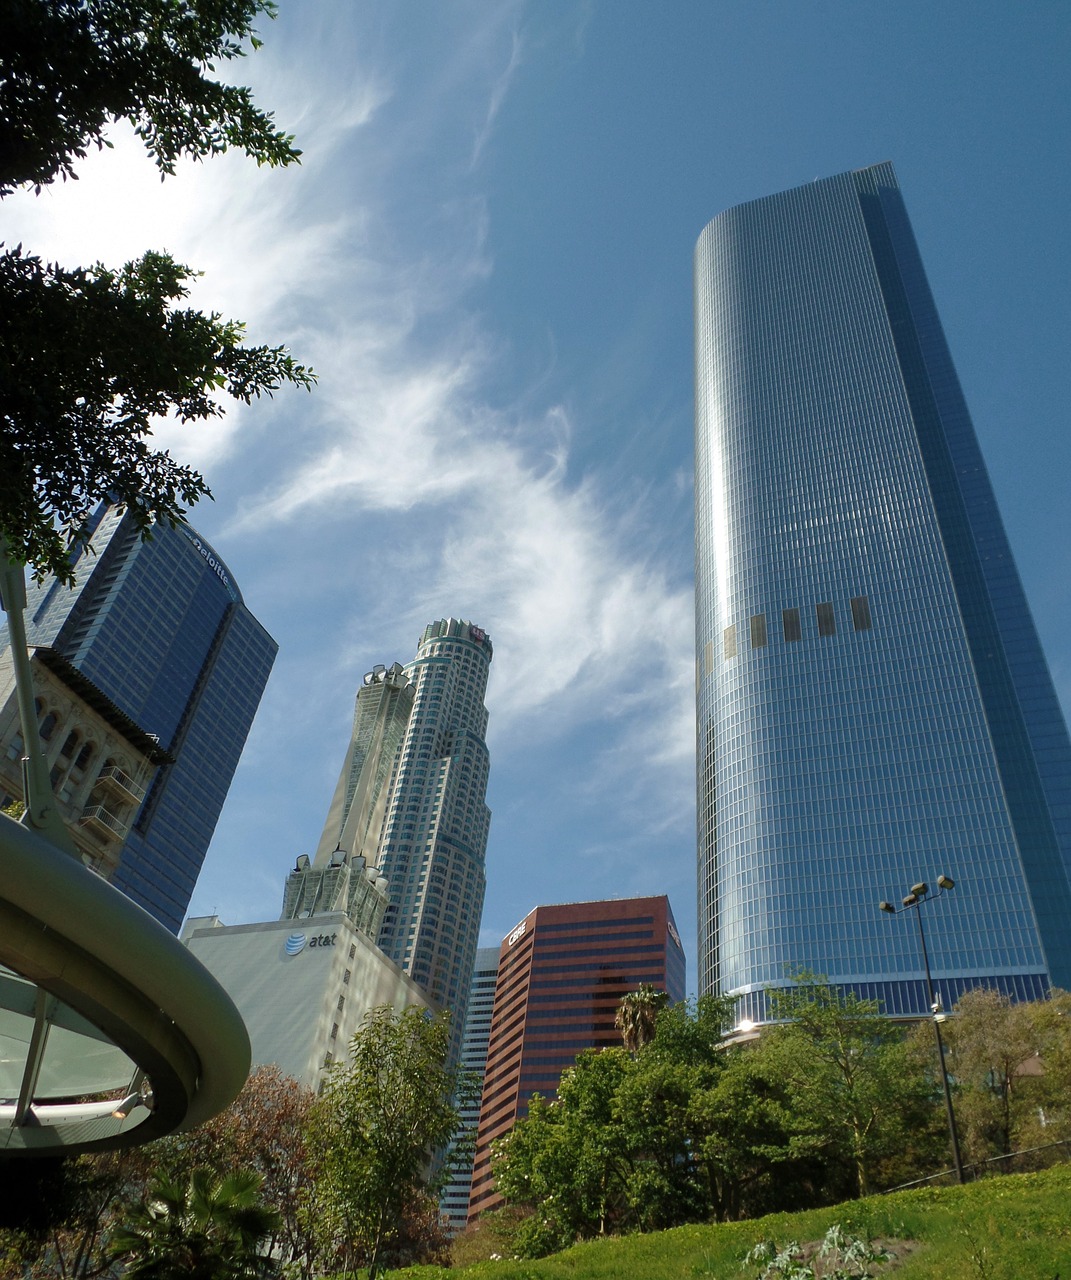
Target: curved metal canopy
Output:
[(111, 1033)]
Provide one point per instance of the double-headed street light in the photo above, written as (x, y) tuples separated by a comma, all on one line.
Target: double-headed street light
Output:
[(915, 898)]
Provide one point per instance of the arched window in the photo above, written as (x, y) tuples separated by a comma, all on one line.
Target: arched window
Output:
[(48, 726)]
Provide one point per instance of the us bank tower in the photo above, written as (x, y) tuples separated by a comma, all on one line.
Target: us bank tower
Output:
[(874, 708)]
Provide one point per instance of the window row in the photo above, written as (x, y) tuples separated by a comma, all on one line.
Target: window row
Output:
[(792, 625)]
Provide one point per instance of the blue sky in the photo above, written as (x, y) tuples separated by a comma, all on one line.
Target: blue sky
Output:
[(486, 254)]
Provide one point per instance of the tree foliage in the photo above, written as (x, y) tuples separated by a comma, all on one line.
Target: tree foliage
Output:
[(637, 1016), (74, 1211), (210, 1227), (990, 1041), (753, 1151), (71, 67), (263, 1130), (1011, 1064), (569, 1159), (691, 1127), (87, 1197), (91, 358), (848, 1075), (374, 1135), (616, 1149)]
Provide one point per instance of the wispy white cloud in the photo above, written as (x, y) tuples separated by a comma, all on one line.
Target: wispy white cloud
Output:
[(497, 525), (496, 98), (367, 260)]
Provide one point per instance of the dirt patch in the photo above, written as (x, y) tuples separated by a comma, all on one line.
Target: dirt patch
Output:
[(898, 1250)]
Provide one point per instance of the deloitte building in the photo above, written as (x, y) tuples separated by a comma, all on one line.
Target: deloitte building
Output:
[(148, 672), (873, 705)]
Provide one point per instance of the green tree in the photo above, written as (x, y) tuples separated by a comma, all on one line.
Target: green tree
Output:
[(713, 1133), (693, 1030), (264, 1130), (1051, 1118), (209, 1228), (91, 357), (637, 1016), (656, 1107), (87, 1196), (71, 67), (569, 1160), (1005, 1058), (652, 1107), (848, 1076), (374, 1134), (691, 1127), (617, 1149), (753, 1151), (59, 1213)]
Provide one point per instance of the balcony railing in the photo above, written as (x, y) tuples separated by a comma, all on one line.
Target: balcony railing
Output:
[(115, 780), (103, 821)]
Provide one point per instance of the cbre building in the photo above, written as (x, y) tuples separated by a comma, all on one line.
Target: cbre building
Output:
[(874, 708), (561, 976)]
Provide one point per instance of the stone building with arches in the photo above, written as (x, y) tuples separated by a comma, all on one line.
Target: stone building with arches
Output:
[(148, 669), (100, 762)]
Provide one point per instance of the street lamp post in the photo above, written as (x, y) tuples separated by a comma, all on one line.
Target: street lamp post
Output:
[(915, 898)]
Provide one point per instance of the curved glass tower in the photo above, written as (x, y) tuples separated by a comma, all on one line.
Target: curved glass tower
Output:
[(873, 705)]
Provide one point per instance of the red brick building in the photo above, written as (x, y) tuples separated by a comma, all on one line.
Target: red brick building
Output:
[(561, 975)]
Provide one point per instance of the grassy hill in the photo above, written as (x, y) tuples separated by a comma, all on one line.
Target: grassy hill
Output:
[(1010, 1228)]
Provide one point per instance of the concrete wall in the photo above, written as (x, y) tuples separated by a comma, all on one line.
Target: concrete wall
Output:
[(288, 977)]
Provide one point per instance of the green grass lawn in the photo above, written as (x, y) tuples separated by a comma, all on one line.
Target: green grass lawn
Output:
[(1003, 1228)]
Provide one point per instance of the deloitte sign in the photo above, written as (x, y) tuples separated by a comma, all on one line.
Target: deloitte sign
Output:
[(296, 942)]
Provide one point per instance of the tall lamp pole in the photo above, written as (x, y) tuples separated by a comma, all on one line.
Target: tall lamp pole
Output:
[(915, 898)]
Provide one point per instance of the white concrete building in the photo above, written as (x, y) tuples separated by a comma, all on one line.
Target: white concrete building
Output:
[(302, 987)]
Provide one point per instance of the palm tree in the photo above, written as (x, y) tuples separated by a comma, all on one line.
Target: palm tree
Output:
[(637, 1015), (210, 1228)]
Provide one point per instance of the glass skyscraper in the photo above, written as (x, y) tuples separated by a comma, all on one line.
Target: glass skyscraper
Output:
[(454, 1199), (160, 628), (874, 708)]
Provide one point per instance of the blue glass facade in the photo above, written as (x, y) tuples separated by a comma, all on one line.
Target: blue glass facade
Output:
[(873, 705), (454, 1200), (161, 629)]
